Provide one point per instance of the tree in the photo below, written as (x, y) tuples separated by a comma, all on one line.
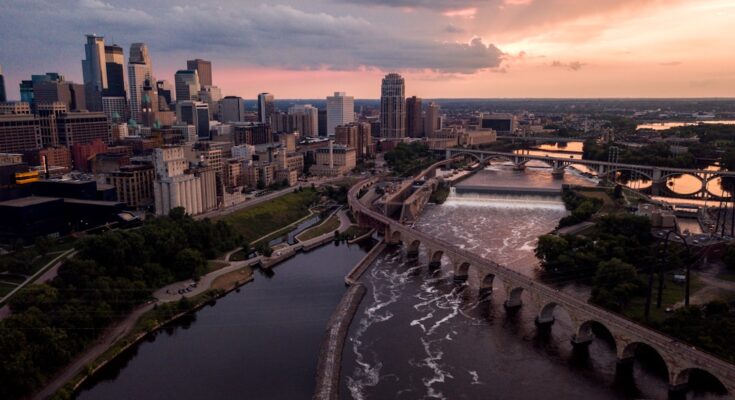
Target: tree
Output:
[(616, 282), (190, 264), (44, 244), (729, 257), (264, 249), (549, 249)]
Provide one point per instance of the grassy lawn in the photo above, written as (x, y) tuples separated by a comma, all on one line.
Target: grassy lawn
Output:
[(673, 293), (325, 227), (230, 279), (272, 215), (214, 265)]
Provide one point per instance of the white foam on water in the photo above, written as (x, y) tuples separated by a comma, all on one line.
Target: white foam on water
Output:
[(433, 362), (387, 288), (475, 378)]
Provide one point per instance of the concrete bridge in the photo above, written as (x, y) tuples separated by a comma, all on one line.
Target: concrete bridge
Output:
[(541, 139), (604, 169), (680, 359)]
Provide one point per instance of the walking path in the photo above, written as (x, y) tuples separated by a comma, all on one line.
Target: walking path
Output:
[(168, 294)]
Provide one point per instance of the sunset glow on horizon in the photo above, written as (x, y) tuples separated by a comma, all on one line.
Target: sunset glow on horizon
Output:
[(457, 49)]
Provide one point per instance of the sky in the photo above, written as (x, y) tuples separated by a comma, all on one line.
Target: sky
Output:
[(444, 48)]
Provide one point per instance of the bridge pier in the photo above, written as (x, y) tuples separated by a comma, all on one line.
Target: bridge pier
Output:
[(557, 173), (624, 370), (582, 339), (678, 391), (519, 167), (544, 322), (512, 304)]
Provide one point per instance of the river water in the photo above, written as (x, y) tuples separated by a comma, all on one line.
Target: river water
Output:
[(259, 343), (419, 335)]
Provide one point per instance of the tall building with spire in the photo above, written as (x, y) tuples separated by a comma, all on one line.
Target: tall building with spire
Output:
[(393, 107), (94, 71), (139, 70), (203, 68)]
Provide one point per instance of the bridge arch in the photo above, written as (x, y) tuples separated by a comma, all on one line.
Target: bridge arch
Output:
[(654, 357), (716, 179), (413, 247), (699, 380), (593, 329), (615, 170), (395, 237), (514, 297), (491, 158), (686, 179), (476, 156), (461, 268), (435, 256)]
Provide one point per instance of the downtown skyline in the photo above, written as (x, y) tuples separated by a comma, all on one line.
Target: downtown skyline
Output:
[(468, 49)]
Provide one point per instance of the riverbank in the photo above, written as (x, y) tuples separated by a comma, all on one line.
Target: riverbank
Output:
[(330, 353), (125, 334)]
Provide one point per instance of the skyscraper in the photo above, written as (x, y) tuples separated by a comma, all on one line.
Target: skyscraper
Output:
[(166, 95), (3, 96), (393, 107), (414, 120), (94, 71), (187, 85), (194, 113), (304, 119), (232, 109), (432, 122), (115, 69), (266, 107), (114, 98), (26, 86), (340, 111), (139, 70), (203, 68)]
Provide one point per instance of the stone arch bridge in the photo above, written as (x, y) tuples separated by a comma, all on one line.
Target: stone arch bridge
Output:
[(680, 359)]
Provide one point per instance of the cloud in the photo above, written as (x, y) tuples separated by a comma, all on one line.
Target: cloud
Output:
[(451, 28), (572, 65), (276, 36)]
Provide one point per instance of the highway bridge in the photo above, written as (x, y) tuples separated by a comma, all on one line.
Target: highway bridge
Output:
[(657, 175), (680, 358)]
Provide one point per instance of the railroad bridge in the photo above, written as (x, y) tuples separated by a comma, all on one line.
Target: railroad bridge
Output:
[(657, 175), (680, 359)]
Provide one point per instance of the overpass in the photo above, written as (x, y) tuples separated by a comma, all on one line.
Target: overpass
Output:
[(680, 359), (657, 175)]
